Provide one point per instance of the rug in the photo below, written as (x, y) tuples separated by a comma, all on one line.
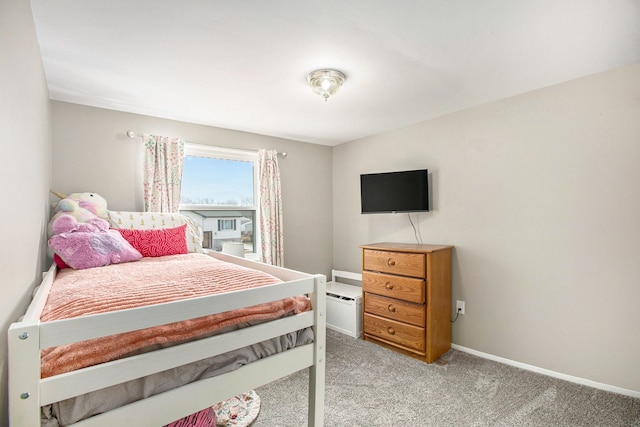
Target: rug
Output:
[(239, 411)]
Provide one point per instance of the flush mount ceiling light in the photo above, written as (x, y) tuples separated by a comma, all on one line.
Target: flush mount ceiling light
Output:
[(325, 82)]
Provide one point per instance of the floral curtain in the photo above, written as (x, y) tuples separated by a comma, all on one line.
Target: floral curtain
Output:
[(271, 237), (163, 161)]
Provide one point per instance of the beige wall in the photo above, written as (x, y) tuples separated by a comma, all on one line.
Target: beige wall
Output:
[(25, 170), (92, 153), (539, 195)]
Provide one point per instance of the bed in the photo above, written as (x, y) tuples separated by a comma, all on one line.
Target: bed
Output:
[(34, 385)]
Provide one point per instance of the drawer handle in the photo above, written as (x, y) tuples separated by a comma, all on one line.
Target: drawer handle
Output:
[(391, 262), (389, 286), (391, 331), (391, 308)]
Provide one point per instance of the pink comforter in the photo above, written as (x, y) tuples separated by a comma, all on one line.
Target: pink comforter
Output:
[(145, 282)]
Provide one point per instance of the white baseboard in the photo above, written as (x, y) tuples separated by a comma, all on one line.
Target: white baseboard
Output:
[(570, 378)]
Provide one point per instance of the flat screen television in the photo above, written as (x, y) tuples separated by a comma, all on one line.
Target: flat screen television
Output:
[(389, 192)]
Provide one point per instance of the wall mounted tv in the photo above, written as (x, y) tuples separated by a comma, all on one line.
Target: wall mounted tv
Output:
[(390, 192)]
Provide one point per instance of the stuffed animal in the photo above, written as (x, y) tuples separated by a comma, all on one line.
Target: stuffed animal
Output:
[(67, 223), (82, 245), (82, 206)]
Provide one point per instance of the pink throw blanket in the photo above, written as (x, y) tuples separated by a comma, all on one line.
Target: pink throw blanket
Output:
[(145, 282)]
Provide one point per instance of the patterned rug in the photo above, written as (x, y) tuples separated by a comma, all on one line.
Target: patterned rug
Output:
[(239, 411)]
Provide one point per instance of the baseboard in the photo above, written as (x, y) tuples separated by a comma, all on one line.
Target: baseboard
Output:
[(570, 378)]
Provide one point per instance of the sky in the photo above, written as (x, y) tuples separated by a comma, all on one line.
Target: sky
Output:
[(216, 181)]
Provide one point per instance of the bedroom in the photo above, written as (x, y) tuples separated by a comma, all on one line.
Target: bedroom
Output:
[(550, 278)]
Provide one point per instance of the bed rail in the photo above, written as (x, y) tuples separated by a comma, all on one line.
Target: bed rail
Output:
[(28, 392)]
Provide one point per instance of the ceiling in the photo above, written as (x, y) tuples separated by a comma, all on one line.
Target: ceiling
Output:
[(242, 64)]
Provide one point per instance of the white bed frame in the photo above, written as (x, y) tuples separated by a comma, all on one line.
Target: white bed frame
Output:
[(28, 392)]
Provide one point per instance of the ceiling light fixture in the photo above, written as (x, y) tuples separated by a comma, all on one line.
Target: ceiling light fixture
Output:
[(325, 82)]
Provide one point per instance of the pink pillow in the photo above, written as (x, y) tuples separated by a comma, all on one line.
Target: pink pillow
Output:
[(157, 242), (59, 262), (84, 249)]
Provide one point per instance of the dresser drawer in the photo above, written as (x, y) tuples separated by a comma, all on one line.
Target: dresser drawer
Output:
[(408, 336), (402, 263), (402, 288), (394, 309)]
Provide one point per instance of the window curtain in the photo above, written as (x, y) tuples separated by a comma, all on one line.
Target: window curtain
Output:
[(271, 237), (163, 161)]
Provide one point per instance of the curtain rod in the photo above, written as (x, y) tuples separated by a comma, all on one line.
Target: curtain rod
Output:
[(132, 134)]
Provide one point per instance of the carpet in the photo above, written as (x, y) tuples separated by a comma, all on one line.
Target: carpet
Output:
[(238, 411), (371, 386)]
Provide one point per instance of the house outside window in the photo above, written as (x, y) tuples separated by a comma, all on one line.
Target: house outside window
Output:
[(220, 192)]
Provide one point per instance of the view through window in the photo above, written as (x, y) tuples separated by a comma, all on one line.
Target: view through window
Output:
[(219, 193)]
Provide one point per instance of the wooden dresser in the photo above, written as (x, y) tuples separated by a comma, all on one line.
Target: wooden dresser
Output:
[(406, 294)]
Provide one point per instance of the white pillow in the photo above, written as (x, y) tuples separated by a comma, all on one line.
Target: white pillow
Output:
[(157, 220)]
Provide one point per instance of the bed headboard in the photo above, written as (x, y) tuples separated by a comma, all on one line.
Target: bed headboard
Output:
[(158, 220)]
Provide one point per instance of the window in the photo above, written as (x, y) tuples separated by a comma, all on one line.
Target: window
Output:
[(226, 224), (219, 191)]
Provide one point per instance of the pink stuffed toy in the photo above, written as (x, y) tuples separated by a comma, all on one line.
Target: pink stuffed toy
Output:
[(66, 223), (82, 206), (90, 244)]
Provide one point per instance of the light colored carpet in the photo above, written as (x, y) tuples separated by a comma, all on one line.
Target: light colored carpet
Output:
[(367, 385)]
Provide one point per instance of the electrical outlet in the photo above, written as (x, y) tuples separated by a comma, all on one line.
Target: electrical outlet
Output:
[(460, 307)]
